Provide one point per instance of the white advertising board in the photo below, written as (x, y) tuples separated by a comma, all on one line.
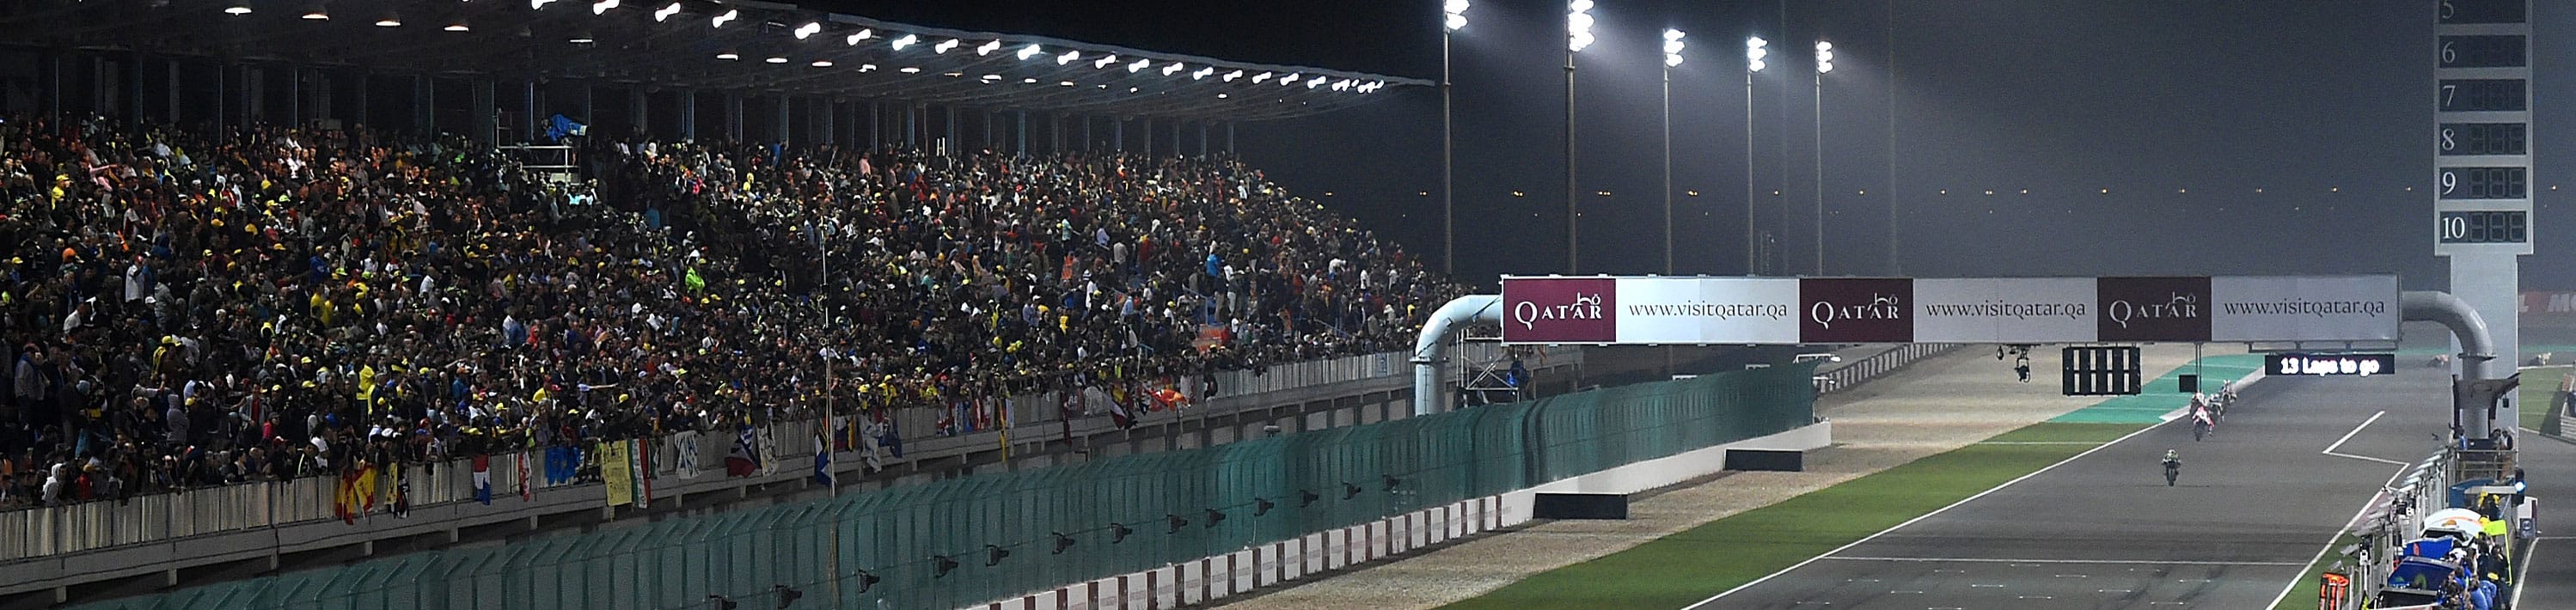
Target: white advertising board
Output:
[(1708, 310), (2304, 308), (2004, 310)]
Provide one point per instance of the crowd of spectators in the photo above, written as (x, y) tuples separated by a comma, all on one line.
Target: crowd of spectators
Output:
[(190, 309)]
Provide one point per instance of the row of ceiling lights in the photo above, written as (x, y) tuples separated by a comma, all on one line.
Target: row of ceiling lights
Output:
[(317, 12)]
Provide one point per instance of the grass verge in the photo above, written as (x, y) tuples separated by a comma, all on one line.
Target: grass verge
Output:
[(1686, 567), (2304, 598), (2537, 386)]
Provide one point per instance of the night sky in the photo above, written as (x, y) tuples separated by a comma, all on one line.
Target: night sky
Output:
[(2233, 137)]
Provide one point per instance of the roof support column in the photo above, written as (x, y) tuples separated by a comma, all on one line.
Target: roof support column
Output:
[(639, 111), (1118, 131), (320, 93), (1086, 133), (222, 74), (1176, 138), (733, 116), (1148, 132), (49, 65), (950, 142), (528, 119), (1203, 153), (294, 96), (254, 91), (589, 115), (824, 108), (487, 111), (988, 128), (688, 113), (783, 129), (134, 104), (170, 97), (912, 118), (1229, 138), (102, 94), (1022, 148), (424, 104), (366, 95), (876, 124)]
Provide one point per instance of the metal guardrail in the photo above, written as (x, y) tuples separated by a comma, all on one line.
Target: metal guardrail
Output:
[(50, 531), (1851, 375)]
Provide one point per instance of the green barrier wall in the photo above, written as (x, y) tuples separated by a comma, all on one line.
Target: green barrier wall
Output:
[(819, 547)]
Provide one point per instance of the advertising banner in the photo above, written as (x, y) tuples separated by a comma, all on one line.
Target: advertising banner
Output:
[(1708, 310), (1784, 311), (2304, 308), (2152, 308), (2004, 310), (1856, 310), (1559, 310)]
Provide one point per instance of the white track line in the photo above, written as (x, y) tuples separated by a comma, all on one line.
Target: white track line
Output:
[(2302, 577), (1928, 515), (2521, 581), (2330, 449), (2139, 562)]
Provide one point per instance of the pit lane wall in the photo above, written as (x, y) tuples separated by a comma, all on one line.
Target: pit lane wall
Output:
[(965, 541)]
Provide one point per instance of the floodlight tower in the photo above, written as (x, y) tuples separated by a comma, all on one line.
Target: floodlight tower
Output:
[(1578, 34), (1453, 18), (1672, 58), (1824, 64), (1754, 51)]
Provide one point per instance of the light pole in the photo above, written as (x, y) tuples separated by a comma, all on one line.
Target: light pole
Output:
[(1753, 53), (1578, 34), (1453, 18), (1824, 64), (1672, 57)]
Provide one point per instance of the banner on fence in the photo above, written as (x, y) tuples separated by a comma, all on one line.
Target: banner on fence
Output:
[(641, 461), (686, 445), (616, 474)]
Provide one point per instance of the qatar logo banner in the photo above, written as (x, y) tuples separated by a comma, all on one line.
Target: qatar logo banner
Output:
[(1856, 310), (2153, 308), (2304, 308), (1560, 310)]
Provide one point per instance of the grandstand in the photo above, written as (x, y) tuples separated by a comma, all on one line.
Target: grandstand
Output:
[(289, 280)]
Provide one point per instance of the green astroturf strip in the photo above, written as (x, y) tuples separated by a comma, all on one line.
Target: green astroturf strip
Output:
[(1686, 567), (2537, 386), (2164, 393), (2304, 596)]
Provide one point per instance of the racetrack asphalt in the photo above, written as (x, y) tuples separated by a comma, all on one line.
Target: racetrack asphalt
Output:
[(2256, 502)]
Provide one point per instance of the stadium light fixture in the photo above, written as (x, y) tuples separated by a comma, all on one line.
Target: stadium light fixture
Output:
[(237, 8), (909, 70), (581, 38), (1104, 62), (1291, 78), (390, 20), (1169, 70), (317, 13), (1139, 65), (458, 26), (1824, 57), (538, 4), (1029, 81), (1454, 15), (1342, 85), (1065, 83), (822, 63), (944, 47), (1312, 83), (776, 59), (1754, 51), (865, 68), (992, 78), (601, 7), (808, 30), (1578, 25), (1257, 78), (1203, 73), (1220, 96), (665, 13), (1067, 57), (729, 15), (905, 41), (1672, 48), (1030, 51), (988, 48), (1230, 76), (728, 55), (863, 34)]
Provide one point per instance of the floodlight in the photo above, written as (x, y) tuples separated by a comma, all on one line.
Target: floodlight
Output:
[(458, 26), (1314, 82), (776, 59), (665, 13), (581, 38), (389, 21), (317, 13), (1169, 70), (538, 4), (1672, 47), (822, 63), (601, 7), (988, 48), (1104, 62), (905, 41), (1066, 83), (1824, 57), (942, 48), (1030, 51), (1139, 66), (1067, 57), (1230, 76), (1454, 22), (1220, 96), (1202, 73), (909, 70), (729, 15), (1342, 85), (1754, 52), (1257, 78), (863, 34), (237, 7), (728, 55), (867, 68), (1578, 25), (1291, 78), (808, 30)]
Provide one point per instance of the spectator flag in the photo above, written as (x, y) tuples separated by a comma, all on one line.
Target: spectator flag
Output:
[(483, 479), (642, 452), (686, 445), (870, 430), (527, 488), (744, 458), (822, 461), (401, 506), (892, 440)]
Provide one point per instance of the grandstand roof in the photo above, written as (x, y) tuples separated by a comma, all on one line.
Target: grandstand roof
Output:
[(676, 45)]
